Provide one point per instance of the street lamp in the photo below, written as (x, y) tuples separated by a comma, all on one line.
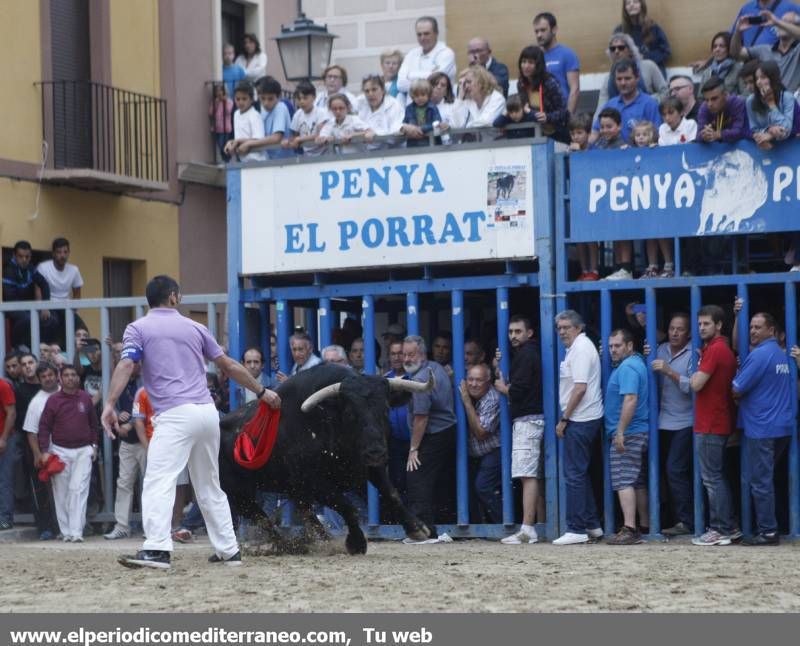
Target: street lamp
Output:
[(305, 48)]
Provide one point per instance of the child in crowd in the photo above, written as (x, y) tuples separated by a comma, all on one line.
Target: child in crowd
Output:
[(675, 129), (275, 118), (420, 115), (580, 127), (610, 130), (514, 113), (344, 125), (232, 73), (644, 135), (220, 114), (307, 120), (247, 124)]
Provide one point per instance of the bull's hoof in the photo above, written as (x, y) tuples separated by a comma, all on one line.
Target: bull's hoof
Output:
[(356, 543), (418, 533)]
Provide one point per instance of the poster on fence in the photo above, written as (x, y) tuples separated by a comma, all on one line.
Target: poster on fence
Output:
[(426, 206), (683, 191)]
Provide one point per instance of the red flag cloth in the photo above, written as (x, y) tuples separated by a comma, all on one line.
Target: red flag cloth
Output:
[(253, 446), (52, 466)]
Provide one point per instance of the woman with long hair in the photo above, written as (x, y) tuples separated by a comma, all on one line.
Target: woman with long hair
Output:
[(770, 109), (541, 94), (479, 100), (252, 59), (721, 64), (442, 95), (648, 36)]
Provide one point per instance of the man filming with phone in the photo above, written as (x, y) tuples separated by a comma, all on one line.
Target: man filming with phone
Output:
[(783, 49), (756, 32)]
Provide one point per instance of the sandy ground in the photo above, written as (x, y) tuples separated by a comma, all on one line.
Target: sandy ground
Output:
[(465, 576)]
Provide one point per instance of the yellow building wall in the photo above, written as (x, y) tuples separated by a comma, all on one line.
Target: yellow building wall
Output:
[(21, 123), (98, 226), (584, 26), (134, 46)]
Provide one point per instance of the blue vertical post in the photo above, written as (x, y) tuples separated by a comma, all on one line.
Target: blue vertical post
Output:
[(310, 323), (794, 457), (326, 321), (234, 217), (70, 333), (561, 305), (699, 500), (462, 478), (605, 360), (743, 324), (368, 326), (108, 448), (543, 208), (263, 338), (412, 313), (505, 416), (652, 397), (284, 331)]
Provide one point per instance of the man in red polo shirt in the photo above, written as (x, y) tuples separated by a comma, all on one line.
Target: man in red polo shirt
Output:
[(714, 417)]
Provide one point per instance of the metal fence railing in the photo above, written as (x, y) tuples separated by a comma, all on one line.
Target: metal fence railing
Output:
[(210, 303)]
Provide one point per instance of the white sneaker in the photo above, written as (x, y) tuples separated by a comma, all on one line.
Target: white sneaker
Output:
[(77, 539), (620, 274), (570, 538), (595, 533), (520, 538), (116, 533), (795, 268)]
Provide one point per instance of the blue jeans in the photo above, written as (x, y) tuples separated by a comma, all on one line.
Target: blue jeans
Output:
[(485, 478), (579, 439), (711, 457), (192, 519), (676, 450), (763, 455), (7, 461)]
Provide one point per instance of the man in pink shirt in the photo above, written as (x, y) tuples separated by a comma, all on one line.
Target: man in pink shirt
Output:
[(173, 351)]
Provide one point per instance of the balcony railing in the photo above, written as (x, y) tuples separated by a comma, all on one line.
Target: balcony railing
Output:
[(104, 137)]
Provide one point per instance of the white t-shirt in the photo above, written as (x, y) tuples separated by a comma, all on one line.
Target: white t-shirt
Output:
[(417, 65), (249, 125), (61, 282), (685, 133), (306, 123), (386, 120), (256, 68), (581, 365), (467, 114), (351, 124), (35, 410)]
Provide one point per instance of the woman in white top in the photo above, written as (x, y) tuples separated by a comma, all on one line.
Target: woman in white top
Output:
[(335, 79), (442, 95), (381, 112), (479, 101), (344, 126), (252, 60)]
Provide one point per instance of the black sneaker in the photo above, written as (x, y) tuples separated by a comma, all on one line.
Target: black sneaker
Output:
[(678, 529), (147, 558), (762, 539), (232, 561)]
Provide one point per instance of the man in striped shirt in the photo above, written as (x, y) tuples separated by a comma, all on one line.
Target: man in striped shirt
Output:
[(482, 406)]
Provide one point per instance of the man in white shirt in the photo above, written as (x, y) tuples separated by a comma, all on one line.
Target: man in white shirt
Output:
[(44, 510), (302, 353), (431, 56), (63, 277), (581, 401), (65, 282)]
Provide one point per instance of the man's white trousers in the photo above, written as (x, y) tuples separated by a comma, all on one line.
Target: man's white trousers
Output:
[(186, 434)]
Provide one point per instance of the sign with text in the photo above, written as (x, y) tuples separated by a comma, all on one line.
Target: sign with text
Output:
[(682, 191), (452, 206)]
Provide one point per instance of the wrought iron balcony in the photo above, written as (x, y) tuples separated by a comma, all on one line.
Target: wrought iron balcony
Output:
[(102, 137)]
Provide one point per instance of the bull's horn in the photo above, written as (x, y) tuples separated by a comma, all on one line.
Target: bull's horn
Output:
[(412, 386), (321, 395)]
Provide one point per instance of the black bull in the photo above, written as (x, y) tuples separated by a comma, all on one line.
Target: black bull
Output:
[(319, 455)]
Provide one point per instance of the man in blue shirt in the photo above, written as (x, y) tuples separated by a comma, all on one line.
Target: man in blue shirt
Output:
[(631, 103), (759, 33), (764, 388), (561, 61), (627, 427)]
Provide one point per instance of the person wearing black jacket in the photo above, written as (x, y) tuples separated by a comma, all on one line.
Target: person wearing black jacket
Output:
[(21, 282), (524, 392)]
